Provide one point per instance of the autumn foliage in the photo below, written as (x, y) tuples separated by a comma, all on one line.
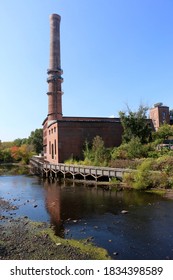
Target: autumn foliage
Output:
[(21, 150)]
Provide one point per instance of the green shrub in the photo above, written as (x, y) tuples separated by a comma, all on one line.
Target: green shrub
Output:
[(120, 152), (96, 154), (153, 154), (170, 182), (131, 150), (125, 163), (128, 179), (164, 164), (151, 173), (136, 149), (159, 180), (142, 181), (142, 178)]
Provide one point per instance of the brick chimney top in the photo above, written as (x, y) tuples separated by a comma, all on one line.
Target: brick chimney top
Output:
[(55, 16)]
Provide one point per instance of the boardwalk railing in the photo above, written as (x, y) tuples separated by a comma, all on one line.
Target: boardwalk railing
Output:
[(75, 171)]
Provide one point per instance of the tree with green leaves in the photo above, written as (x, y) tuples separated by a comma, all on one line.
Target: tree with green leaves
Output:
[(98, 150), (96, 153), (164, 132), (135, 125), (20, 141), (36, 139)]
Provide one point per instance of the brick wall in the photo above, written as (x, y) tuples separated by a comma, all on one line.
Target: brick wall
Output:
[(159, 116), (74, 133)]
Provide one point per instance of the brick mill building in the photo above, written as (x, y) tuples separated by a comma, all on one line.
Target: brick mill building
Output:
[(64, 137)]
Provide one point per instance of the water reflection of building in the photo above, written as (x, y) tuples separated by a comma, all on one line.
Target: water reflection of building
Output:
[(53, 205)]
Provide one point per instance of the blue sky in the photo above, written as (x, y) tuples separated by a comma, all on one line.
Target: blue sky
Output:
[(114, 53)]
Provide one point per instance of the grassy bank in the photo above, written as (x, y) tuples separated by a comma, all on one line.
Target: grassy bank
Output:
[(14, 169), (26, 240), (151, 173)]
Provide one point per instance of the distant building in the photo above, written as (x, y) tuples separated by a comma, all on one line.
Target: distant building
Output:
[(160, 115)]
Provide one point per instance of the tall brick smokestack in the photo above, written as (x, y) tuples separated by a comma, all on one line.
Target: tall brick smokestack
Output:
[(54, 72)]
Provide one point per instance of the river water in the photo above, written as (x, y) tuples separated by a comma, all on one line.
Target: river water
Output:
[(80, 211)]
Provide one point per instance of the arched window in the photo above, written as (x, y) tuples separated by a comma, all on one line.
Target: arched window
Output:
[(52, 151), (55, 146)]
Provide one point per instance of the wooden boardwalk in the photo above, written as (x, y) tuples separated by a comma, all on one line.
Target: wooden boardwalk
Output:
[(75, 171)]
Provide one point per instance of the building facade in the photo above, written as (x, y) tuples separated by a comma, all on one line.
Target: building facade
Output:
[(64, 137), (160, 115)]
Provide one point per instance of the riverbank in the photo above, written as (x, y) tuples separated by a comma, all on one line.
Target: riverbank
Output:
[(23, 239), (14, 169)]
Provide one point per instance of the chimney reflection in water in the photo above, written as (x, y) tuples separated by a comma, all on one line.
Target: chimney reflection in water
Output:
[(53, 205)]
